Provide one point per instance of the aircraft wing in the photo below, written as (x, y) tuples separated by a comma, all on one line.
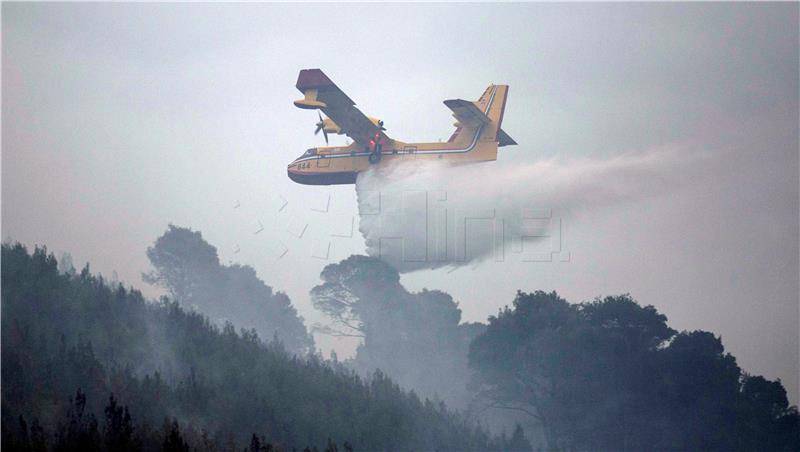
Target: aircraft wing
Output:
[(321, 93)]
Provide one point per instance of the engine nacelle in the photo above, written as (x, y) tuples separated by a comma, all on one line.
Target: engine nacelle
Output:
[(310, 102), (331, 127)]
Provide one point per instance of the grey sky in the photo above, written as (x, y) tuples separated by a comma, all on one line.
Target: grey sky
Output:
[(121, 118)]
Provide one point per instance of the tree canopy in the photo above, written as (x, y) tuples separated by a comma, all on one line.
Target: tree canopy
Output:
[(90, 365), (189, 268), (416, 337), (215, 386), (612, 375)]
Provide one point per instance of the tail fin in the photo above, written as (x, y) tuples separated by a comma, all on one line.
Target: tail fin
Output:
[(493, 102), (486, 112)]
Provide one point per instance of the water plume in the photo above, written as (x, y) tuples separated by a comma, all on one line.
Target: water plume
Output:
[(421, 214)]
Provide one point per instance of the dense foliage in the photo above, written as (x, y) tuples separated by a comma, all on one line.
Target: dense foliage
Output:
[(611, 375), (416, 337), (62, 332), (602, 375), (189, 268)]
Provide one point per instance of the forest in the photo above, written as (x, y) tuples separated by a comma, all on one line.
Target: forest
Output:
[(224, 362)]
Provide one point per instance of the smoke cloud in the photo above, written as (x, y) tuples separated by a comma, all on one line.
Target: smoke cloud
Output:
[(422, 215)]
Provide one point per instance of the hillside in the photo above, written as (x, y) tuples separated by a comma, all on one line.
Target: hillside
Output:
[(69, 340)]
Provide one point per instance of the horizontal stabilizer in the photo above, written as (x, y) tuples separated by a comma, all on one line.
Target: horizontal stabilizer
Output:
[(466, 112)]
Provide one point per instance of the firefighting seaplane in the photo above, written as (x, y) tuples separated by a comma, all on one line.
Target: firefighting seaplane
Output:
[(476, 138)]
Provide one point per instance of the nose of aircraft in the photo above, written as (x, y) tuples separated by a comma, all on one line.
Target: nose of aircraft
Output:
[(294, 173)]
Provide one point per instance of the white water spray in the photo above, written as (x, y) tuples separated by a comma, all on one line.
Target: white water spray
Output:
[(418, 215)]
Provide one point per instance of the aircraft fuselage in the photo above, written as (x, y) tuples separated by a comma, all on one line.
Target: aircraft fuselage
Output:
[(335, 165)]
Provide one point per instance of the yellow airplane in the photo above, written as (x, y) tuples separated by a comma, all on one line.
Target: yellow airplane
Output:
[(476, 139)]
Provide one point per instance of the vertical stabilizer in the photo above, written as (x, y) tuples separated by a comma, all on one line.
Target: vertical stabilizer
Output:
[(486, 113)]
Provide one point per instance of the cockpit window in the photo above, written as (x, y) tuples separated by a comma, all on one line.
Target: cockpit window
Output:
[(309, 153)]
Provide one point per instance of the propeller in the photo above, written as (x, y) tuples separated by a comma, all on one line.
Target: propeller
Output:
[(321, 126)]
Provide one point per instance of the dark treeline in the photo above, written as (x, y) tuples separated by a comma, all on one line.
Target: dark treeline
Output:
[(67, 332), (611, 375), (80, 430), (608, 374)]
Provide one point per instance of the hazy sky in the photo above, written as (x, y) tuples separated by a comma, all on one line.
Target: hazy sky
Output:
[(121, 118)]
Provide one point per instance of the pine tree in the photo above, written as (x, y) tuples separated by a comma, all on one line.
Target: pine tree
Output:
[(173, 441)]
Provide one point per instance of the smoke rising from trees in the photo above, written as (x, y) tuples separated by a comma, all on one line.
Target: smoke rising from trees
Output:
[(189, 268), (416, 337), (607, 374), (63, 333), (610, 374)]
